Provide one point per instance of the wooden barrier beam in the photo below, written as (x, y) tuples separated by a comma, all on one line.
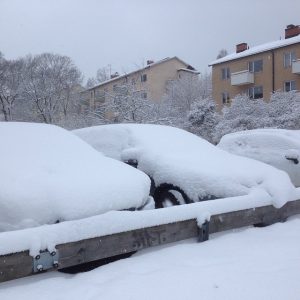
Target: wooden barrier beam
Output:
[(21, 264)]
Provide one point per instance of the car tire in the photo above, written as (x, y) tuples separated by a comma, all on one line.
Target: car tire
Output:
[(167, 195)]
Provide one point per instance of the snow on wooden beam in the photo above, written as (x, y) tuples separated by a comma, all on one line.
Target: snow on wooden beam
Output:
[(21, 264)]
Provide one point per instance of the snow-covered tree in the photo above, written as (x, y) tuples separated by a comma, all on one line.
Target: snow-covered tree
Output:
[(102, 75), (284, 110), (181, 94), (222, 53), (203, 118), (10, 86), (243, 113), (48, 81), (127, 104)]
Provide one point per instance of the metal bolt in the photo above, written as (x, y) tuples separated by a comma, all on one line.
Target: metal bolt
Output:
[(40, 268)]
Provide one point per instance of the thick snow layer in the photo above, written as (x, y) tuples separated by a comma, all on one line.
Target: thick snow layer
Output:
[(276, 147), (48, 236), (47, 174), (258, 49), (252, 263), (172, 155)]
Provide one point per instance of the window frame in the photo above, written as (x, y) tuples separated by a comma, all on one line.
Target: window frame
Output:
[(144, 95), (252, 65), (225, 73), (225, 97), (291, 83), (253, 95), (144, 78), (291, 56)]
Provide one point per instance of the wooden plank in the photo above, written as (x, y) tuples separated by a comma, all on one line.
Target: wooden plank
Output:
[(111, 245), (16, 265), (20, 264), (107, 246)]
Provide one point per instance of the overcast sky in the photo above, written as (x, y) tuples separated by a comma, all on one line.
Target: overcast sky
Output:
[(125, 33)]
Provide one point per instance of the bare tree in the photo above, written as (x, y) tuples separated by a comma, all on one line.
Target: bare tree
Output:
[(222, 53), (103, 74), (10, 85), (49, 80), (91, 82), (181, 94)]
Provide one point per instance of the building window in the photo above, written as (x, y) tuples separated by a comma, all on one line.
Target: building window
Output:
[(225, 97), (255, 66), (255, 92), (288, 58), (290, 86), (144, 78), (225, 73), (144, 95), (100, 95)]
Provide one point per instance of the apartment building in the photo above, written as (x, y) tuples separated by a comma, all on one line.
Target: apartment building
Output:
[(258, 71), (150, 82)]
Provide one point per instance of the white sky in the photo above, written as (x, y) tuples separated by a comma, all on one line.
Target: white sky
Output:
[(125, 33)]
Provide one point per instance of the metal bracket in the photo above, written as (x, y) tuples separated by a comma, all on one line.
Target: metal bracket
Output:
[(45, 260), (203, 232)]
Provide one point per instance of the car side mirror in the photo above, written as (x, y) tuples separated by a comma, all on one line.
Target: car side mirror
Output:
[(292, 155)]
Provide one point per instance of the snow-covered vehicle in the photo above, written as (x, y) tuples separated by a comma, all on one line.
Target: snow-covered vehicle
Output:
[(183, 167), (277, 147), (48, 175)]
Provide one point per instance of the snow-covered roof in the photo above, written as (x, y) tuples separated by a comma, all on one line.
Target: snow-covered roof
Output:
[(172, 155), (140, 70), (48, 174), (258, 49), (188, 70)]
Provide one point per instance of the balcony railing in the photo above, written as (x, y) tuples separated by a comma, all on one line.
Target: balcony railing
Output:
[(242, 78), (296, 66)]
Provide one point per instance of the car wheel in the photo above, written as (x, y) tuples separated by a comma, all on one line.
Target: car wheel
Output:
[(169, 195)]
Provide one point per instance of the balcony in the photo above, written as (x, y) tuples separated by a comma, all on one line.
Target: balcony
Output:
[(296, 66), (242, 78)]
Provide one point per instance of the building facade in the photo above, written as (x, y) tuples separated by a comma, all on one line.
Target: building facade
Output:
[(150, 82), (258, 71)]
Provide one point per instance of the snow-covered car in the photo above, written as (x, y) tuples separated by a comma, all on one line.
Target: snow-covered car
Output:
[(183, 167), (49, 175), (277, 147)]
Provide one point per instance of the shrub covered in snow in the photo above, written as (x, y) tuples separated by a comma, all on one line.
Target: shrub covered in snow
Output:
[(203, 118), (242, 114), (282, 111)]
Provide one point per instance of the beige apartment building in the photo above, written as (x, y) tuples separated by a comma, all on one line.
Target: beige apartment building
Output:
[(150, 82), (258, 71)]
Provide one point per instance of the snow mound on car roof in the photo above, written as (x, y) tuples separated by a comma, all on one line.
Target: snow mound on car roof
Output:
[(271, 146), (171, 155), (47, 174)]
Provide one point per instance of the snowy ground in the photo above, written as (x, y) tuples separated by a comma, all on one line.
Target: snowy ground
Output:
[(252, 263)]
